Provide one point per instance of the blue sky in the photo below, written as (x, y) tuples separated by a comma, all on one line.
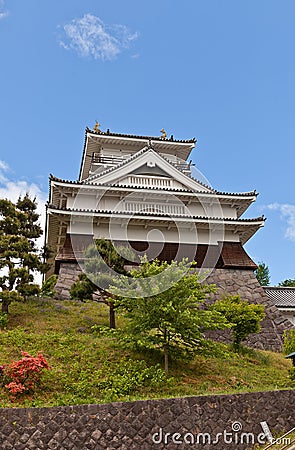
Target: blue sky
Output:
[(222, 71)]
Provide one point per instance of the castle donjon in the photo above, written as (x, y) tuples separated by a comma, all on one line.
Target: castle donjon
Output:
[(143, 192)]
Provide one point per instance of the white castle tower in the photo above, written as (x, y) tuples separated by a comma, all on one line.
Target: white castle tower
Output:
[(140, 191)]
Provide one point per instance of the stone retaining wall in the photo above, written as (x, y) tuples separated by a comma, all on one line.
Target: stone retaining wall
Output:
[(245, 283), (208, 422)]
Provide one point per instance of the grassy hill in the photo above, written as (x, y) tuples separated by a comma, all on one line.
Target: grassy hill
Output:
[(92, 367)]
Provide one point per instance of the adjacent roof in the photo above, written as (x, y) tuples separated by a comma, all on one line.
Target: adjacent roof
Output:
[(282, 297)]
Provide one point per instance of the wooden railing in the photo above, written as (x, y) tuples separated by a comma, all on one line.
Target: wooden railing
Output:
[(149, 181), (154, 208)]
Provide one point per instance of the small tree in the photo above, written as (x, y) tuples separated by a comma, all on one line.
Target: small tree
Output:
[(163, 303), (262, 274), (287, 283), (102, 266), (19, 256), (244, 317)]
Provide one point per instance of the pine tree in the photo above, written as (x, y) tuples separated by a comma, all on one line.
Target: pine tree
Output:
[(19, 255), (102, 266), (262, 274)]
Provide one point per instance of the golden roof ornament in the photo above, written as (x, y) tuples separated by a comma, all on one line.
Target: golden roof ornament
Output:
[(164, 134), (96, 126)]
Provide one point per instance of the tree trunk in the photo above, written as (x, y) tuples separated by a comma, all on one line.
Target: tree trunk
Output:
[(112, 316), (4, 307), (166, 358)]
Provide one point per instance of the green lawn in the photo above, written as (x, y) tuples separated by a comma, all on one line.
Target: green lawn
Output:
[(89, 367)]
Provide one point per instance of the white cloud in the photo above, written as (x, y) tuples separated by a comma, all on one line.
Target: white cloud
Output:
[(3, 13), (90, 37), (288, 214), (3, 165)]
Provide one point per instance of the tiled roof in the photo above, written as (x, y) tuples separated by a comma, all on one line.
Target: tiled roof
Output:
[(283, 297), (134, 136), (159, 188), (153, 214)]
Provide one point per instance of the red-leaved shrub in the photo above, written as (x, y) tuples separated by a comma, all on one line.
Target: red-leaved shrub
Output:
[(24, 376)]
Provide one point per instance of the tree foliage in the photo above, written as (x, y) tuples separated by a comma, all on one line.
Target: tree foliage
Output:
[(102, 266), (170, 313), (262, 274), (290, 282), (19, 255), (244, 317)]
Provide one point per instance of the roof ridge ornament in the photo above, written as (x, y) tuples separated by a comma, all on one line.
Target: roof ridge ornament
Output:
[(96, 127), (164, 134)]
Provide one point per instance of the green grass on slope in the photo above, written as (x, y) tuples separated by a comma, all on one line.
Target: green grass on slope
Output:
[(87, 367)]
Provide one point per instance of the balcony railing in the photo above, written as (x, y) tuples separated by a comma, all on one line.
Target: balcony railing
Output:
[(180, 164), (107, 160), (143, 207)]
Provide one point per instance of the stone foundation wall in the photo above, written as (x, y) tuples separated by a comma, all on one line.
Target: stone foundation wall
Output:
[(244, 282), (68, 274), (207, 422)]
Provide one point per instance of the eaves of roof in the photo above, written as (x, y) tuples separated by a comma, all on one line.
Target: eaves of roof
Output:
[(154, 188), (134, 136), (255, 220)]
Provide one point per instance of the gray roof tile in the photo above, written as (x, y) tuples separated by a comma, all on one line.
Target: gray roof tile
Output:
[(283, 297)]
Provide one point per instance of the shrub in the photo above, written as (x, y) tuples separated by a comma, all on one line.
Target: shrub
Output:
[(292, 373), (23, 376), (47, 289), (3, 321), (243, 316), (289, 341), (82, 289), (129, 376)]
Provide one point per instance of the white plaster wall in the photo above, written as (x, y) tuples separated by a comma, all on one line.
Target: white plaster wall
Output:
[(124, 230), (104, 201)]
